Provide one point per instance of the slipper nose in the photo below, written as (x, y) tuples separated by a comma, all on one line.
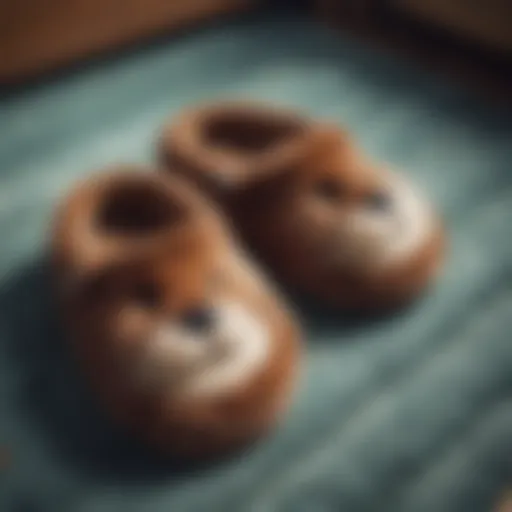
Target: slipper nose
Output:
[(200, 319), (380, 202)]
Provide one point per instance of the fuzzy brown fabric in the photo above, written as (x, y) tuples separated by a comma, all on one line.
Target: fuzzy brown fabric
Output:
[(262, 164), (229, 146), (132, 249)]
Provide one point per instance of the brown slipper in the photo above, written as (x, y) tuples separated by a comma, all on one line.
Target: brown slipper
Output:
[(309, 203), (180, 335)]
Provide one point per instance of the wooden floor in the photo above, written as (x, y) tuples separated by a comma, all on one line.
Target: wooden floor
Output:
[(475, 67)]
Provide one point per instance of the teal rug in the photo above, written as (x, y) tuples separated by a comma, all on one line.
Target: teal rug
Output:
[(412, 413)]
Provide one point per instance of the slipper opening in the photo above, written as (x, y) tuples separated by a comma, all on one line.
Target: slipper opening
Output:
[(137, 208), (248, 133)]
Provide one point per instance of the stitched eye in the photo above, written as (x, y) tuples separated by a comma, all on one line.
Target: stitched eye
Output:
[(147, 295), (328, 189), (199, 319), (379, 201)]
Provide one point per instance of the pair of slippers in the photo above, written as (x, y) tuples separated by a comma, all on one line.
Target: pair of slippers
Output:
[(184, 338)]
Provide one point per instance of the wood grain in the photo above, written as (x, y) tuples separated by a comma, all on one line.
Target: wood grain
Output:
[(37, 35)]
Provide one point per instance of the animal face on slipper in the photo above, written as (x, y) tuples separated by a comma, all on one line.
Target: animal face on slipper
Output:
[(350, 212), (188, 327), (182, 338), (334, 220)]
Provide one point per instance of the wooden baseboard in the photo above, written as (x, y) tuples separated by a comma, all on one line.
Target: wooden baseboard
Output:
[(474, 65), (39, 35)]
